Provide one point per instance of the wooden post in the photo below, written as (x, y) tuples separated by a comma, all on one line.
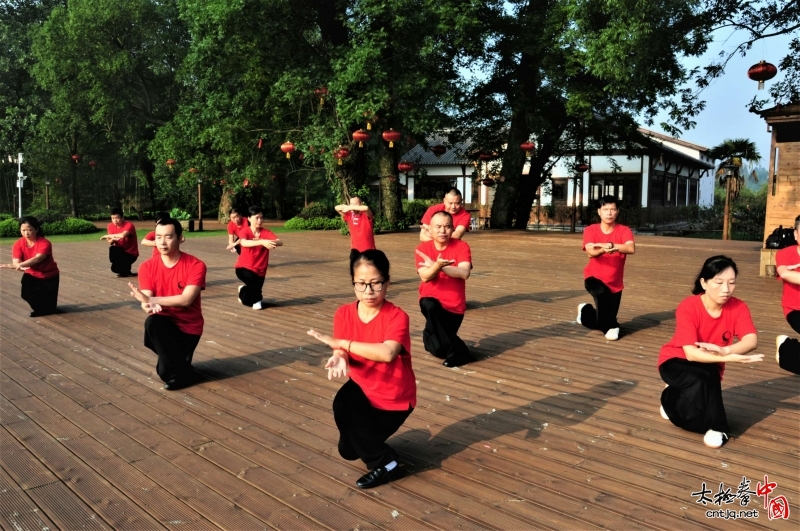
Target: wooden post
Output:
[(47, 197), (726, 219), (199, 206), (574, 205)]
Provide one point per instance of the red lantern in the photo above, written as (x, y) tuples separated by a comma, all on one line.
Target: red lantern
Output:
[(392, 136), (438, 150), (761, 72), (486, 157), (321, 92), (360, 136), (405, 167), (260, 143), (487, 182), (582, 167), (170, 163), (77, 158), (288, 148), (92, 164), (245, 183), (193, 170), (528, 148), (341, 153)]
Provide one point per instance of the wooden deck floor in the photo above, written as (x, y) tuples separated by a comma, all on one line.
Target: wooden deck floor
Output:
[(554, 427)]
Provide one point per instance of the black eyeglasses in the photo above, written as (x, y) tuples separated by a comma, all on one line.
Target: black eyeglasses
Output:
[(374, 286)]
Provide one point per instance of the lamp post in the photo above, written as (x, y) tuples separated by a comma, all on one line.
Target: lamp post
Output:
[(199, 203), (730, 173), (20, 178), (47, 194)]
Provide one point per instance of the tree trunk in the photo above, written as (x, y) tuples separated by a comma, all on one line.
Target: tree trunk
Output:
[(149, 169), (73, 191), (225, 204), (279, 199), (392, 207), (503, 207)]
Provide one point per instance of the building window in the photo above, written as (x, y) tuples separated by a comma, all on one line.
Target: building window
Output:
[(559, 191), (623, 187), (656, 190), (693, 191), (681, 192)]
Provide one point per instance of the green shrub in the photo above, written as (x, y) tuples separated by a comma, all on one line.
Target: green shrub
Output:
[(318, 223), (9, 228), (177, 213), (317, 210), (414, 210)]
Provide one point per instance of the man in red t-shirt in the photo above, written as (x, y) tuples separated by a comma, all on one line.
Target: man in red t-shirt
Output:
[(237, 221), (453, 205), (121, 237), (360, 222), (444, 264), (607, 243), (251, 267), (169, 291), (788, 262), (149, 239)]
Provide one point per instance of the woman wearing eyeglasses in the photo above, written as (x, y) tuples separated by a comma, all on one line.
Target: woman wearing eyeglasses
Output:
[(371, 339)]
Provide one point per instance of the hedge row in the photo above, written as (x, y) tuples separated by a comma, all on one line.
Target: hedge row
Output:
[(9, 228), (298, 223)]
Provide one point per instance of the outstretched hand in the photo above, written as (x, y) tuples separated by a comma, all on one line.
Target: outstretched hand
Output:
[(337, 367), (427, 261), (147, 306), (12, 266), (746, 358), (328, 340)]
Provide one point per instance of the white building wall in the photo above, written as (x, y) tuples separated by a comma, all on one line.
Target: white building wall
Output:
[(706, 198), (645, 162)]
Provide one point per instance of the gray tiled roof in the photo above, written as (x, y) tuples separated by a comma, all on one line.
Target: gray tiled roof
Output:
[(456, 153)]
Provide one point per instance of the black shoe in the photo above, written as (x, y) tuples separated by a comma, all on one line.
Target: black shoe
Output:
[(182, 383), (376, 477), (456, 361), (42, 313)]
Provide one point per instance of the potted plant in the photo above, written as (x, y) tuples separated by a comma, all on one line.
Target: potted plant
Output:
[(182, 216)]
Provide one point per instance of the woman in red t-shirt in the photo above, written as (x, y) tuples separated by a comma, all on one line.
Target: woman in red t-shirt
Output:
[(251, 267), (788, 262), (371, 338), (693, 361), (33, 255), (237, 221)]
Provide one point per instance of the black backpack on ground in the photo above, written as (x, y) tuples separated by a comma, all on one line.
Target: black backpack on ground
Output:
[(780, 238)]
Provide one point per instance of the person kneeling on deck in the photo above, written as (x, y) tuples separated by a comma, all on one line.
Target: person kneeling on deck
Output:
[(251, 267), (446, 265), (453, 205), (169, 290), (371, 337), (788, 261), (693, 361), (123, 248), (607, 243)]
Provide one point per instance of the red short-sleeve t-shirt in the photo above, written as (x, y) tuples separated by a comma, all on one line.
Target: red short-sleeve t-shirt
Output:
[(694, 324), (255, 259), (450, 292), (233, 228), (460, 219), (165, 281), (129, 243), (791, 292), (607, 267), (388, 386), (360, 225), (151, 236), (47, 268)]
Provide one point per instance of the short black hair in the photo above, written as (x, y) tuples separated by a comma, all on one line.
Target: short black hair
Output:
[(443, 213), (33, 222), (174, 222), (161, 215), (234, 209), (607, 200), (797, 223), (117, 211), (711, 268), (373, 257), (255, 210), (454, 191)]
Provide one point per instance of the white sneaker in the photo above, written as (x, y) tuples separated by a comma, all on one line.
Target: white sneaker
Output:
[(240, 288), (612, 334), (257, 306), (664, 414), (714, 439), (580, 307), (778, 342)]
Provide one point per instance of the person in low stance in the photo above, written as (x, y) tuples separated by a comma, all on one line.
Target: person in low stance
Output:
[(360, 222), (251, 267), (787, 353), (693, 362), (371, 340), (123, 248)]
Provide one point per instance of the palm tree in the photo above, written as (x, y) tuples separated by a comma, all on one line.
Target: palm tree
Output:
[(732, 153)]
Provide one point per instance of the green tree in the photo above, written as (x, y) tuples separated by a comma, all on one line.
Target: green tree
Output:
[(732, 154)]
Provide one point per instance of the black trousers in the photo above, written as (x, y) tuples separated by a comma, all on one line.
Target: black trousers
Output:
[(174, 347), (363, 429), (789, 358), (604, 318), (693, 400), (440, 335), (40, 293), (253, 284), (121, 261)]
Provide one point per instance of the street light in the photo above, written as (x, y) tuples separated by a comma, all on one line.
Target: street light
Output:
[(730, 174), (199, 203), (20, 177)]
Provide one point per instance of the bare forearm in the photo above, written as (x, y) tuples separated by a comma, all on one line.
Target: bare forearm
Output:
[(427, 274), (381, 352), (627, 248), (33, 261), (792, 277), (456, 272)]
